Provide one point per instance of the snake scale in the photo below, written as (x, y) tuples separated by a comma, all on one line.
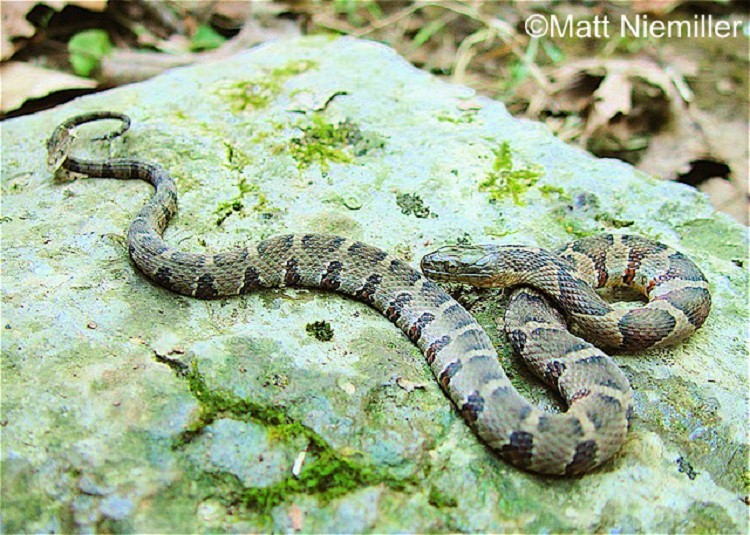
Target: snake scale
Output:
[(554, 291)]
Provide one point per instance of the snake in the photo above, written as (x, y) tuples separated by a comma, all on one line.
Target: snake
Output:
[(553, 306)]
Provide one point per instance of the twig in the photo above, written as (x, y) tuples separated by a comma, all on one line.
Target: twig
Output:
[(125, 66)]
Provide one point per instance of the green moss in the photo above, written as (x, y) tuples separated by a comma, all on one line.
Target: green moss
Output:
[(686, 468), (279, 380), (576, 227), (461, 118), (547, 191), (321, 330), (413, 204), (440, 498), (110, 525), (237, 203), (576, 214), (250, 94), (293, 68), (350, 201), (322, 142), (328, 476), (610, 221), (326, 473), (237, 159), (225, 209), (217, 403), (260, 92), (506, 180)]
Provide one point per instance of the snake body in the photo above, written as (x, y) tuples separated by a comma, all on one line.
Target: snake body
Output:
[(457, 349)]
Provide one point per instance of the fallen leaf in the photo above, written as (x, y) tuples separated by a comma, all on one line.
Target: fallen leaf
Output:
[(655, 7), (671, 150), (611, 97), (694, 135), (23, 81), (727, 197), (234, 10), (623, 103), (14, 25), (91, 5)]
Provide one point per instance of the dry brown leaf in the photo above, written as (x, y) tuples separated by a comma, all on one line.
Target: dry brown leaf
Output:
[(23, 81), (655, 7), (634, 68), (694, 135), (611, 97), (91, 5), (14, 25), (604, 92), (234, 10), (638, 109), (727, 197), (671, 150)]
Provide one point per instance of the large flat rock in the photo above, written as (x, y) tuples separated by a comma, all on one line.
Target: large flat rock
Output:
[(128, 408)]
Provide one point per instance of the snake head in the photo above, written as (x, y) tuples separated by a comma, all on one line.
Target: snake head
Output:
[(470, 264), (58, 147)]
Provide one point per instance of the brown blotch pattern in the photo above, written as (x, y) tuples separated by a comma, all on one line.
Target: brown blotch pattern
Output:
[(396, 307), (163, 275), (251, 279), (473, 407), (584, 458), (292, 276), (205, 288), (580, 394), (435, 348), (415, 331), (554, 370), (695, 303), (518, 340), (518, 450), (447, 374), (367, 292), (331, 279), (635, 336)]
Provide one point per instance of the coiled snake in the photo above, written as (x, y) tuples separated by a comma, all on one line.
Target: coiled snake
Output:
[(457, 349)]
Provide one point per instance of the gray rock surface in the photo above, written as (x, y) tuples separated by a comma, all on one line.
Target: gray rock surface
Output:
[(128, 408)]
